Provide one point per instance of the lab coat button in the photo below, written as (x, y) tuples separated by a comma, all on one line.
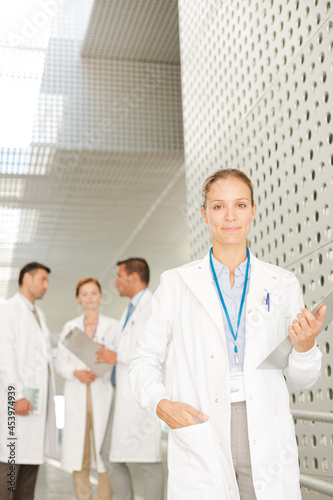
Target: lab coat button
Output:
[(212, 356), (229, 488), (250, 397), (249, 310), (199, 267), (259, 486), (254, 441), (274, 277), (216, 400)]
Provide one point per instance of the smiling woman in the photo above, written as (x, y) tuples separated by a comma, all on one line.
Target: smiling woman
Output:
[(229, 210), (222, 323)]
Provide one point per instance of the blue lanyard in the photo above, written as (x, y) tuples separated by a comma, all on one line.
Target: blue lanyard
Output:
[(130, 314), (222, 300)]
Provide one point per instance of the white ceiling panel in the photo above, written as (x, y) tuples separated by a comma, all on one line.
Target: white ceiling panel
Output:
[(133, 30)]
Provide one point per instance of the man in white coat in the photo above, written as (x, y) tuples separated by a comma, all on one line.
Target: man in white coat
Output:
[(27, 424), (135, 435)]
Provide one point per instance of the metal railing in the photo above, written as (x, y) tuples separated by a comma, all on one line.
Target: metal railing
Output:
[(310, 482), (314, 416), (314, 484)]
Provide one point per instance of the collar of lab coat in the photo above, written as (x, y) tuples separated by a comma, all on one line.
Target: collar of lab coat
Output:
[(25, 310), (26, 301), (25, 304), (101, 325), (263, 278), (143, 300)]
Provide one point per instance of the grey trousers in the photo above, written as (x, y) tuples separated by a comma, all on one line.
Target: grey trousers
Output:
[(120, 477), (241, 451)]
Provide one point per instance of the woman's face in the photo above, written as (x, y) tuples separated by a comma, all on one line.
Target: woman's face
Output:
[(228, 211), (89, 296)]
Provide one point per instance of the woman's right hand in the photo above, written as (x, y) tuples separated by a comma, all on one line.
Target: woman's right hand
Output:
[(177, 415), (85, 376)]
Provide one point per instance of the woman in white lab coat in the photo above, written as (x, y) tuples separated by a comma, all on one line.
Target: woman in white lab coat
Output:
[(231, 431), (87, 397)]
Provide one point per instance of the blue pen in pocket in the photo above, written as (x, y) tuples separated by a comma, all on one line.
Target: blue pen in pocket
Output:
[(268, 303)]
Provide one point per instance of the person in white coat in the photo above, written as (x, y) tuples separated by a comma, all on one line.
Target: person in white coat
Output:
[(231, 431), (135, 435), (27, 415), (87, 397)]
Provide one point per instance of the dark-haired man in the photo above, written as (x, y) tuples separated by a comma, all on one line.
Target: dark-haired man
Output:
[(135, 435), (27, 418)]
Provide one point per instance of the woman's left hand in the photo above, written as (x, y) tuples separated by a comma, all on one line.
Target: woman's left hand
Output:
[(305, 329), (106, 356)]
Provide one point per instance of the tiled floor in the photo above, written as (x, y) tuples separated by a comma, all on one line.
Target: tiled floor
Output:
[(55, 484)]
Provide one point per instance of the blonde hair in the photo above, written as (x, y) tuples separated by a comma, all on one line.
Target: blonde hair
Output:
[(225, 173)]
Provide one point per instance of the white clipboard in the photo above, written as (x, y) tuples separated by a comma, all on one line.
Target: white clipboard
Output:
[(34, 396), (278, 358), (85, 349)]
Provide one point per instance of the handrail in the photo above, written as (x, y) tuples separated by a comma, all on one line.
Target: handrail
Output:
[(318, 485), (314, 416)]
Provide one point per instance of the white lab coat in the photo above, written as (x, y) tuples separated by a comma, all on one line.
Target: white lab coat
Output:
[(186, 309), (25, 356), (136, 434), (75, 393)]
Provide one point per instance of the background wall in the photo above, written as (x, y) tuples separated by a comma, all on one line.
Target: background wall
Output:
[(257, 80), (91, 144)]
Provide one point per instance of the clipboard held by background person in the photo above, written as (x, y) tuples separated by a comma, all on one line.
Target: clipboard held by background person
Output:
[(85, 349)]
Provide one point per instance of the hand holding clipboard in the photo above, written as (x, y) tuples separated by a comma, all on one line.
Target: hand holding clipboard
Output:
[(278, 358), (85, 348)]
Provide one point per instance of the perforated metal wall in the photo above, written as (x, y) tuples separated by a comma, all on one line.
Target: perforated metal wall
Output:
[(257, 79)]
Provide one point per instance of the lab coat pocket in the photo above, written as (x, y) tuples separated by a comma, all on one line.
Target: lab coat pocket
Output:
[(264, 310), (193, 461), (287, 448)]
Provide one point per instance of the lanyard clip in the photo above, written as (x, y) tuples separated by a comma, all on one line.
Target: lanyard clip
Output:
[(236, 354)]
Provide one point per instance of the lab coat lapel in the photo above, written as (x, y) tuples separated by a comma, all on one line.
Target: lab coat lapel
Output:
[(101, 328), (199, 279), (122, 320), (40, 330), (262, 281), (145, 297)]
